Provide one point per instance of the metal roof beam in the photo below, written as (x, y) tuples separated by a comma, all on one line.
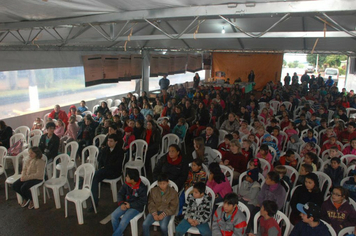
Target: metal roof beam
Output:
[(261, 8)]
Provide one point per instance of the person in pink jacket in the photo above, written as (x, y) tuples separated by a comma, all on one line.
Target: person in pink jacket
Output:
[(59, 131), (218, 182), (71, 133)]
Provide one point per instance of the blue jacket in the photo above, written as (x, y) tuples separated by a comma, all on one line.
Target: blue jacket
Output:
[(303, 229), (135, 195)]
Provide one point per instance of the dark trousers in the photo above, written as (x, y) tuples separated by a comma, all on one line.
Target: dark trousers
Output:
[(99, 176), (23, 188)]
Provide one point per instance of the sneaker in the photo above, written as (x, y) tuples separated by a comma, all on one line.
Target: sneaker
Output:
[(30, 206), (25, 203)]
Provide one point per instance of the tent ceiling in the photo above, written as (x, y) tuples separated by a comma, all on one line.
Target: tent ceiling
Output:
[(179, 25)]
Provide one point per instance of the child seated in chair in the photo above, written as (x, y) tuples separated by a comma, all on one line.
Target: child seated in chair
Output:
[(288, 159), (310, 158), (310, 137), (268, 225), (334, 171), (304, 170), (165, 127), (246, 149), (180, 129), (249, 189), (132, 197), (294, 143), (228, 218), (162, 204), (282, 171), (224, 147), (196, 211), (309, 147)]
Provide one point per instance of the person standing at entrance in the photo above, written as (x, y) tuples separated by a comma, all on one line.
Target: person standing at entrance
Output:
[(164, 83), (196, 80), (287, 79)]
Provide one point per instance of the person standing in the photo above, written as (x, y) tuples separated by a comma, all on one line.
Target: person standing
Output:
[(196, 80), (295, 79), (287, 79), (164, 83), (251, 76)]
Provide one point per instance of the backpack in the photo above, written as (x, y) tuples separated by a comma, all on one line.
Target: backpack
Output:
[(15, 149)]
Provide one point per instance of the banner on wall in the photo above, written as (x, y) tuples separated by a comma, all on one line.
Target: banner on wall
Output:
[(267, 67), (93, 70), (111, 69), (194, 63), (124, 68), (136, 66)]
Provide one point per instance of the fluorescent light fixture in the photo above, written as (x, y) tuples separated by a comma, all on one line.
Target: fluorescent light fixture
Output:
[(223, 30)]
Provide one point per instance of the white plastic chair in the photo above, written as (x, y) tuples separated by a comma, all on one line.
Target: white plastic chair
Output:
[(324, 179), (34, 141), (167, 140), (318, 149), (349, 110), (288, 105), (78, 118), (3, 153), (87, 113), (13, 139), (330, 228), (71, 148), (45, 117), (80, 195), (194, 230), (90, 155), (171, 225), (265, 165), (182, 142), (36, 132), (285, 140), (347, 158), (291, 171), (160, 119), (112, 109), (325, 155), (349, 169), (117, 102), (95, 108), (342, 182), (56, 183), (17, 175), (35, 189), (327, 162), (100, 138), (278, 217), (140, 156), (222, 134), (346, 231), (226, 170), (261, 178), (288, 208), (217, 153), (109, 102), (25, 130)]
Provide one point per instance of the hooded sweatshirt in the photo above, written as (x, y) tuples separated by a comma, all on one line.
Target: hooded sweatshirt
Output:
[(338, 218), (296, 145)]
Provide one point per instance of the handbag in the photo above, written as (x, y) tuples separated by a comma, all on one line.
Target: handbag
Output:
[(15, 149)]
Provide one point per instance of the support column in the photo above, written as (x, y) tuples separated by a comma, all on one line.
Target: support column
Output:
[(145, 71)]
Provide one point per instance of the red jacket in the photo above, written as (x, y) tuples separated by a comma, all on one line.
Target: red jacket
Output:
[(345, 136), (61, 115)]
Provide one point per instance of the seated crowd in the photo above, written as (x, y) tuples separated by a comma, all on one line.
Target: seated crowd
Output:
[(269, 155)]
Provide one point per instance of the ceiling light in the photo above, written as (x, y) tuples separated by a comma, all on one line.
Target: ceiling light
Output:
[(223, 30)]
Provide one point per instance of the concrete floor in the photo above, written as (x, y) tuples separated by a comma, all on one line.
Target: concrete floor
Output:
[(47, 220)]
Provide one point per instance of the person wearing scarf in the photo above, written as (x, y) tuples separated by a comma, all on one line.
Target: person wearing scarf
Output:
[(173, 165), (132, 197), (153, 138)]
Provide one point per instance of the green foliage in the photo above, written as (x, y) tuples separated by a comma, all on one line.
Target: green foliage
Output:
[(331, 60), (284, 63), (342, 71), (293, 64)]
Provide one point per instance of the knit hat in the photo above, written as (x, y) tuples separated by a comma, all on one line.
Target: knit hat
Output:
[(128, 130), (253, 174), (266, 136), (310, 209)]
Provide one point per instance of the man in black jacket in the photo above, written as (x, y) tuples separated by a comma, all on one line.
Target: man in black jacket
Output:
[(49, 142), (111, 166)]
